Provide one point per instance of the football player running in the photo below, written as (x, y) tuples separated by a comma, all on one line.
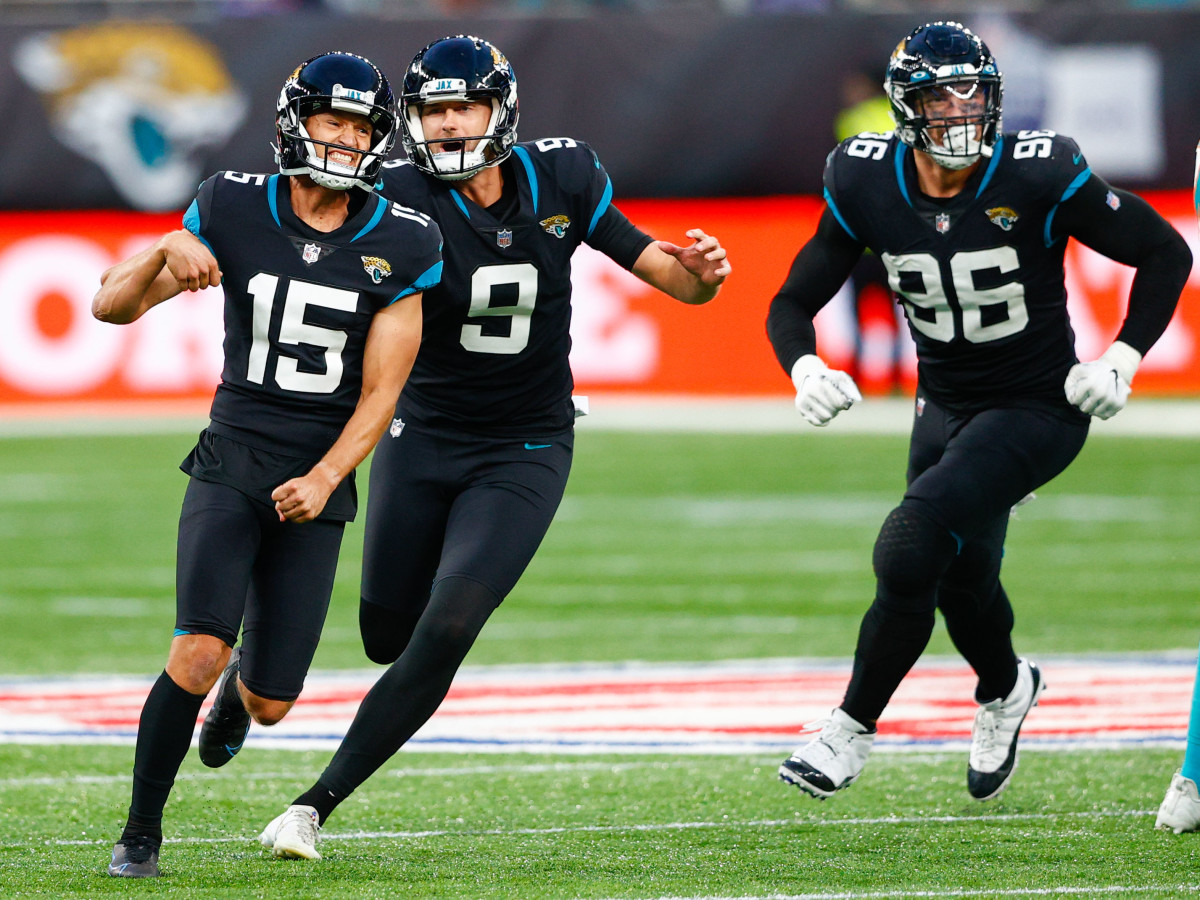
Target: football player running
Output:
[(323, 281), (971, 224), (465, 485)]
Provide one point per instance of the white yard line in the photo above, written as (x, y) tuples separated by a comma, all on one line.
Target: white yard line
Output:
[(723, 824), (1144, 417)]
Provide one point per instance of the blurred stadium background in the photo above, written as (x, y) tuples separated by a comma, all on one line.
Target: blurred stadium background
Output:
[(747, 538)]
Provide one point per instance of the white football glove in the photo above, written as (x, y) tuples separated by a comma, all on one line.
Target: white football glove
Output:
[(822, 392), (1101, 387)]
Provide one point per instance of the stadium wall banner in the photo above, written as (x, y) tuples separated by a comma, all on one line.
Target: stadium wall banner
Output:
[(626, 336), (133, 112)]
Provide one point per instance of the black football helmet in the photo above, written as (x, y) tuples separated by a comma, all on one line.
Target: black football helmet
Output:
[(459, 68), (338, 81), (946, 62)]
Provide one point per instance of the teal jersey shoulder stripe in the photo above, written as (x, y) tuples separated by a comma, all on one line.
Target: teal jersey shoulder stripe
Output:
[(272, 187), (191, 221), (837, 215), (602, 207), (1075, 185), (523, 156), (424, 282), (380, 209)]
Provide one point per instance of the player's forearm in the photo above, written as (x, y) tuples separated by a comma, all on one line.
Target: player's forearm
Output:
[(361, 433), (1155, 292), (126, 288)]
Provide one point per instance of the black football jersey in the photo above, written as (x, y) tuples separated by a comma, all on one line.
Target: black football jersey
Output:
[(299, 303), (979, 275), (494, 355)]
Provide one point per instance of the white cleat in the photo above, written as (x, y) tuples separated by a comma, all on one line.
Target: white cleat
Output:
[(994, 735), (1180, 810), (294, 834), (832, 760)]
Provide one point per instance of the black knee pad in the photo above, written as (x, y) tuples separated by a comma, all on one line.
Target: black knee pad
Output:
[(385, 632), (911, 553)]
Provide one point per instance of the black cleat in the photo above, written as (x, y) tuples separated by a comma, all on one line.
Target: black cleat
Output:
[(225, 727), (135, 857)]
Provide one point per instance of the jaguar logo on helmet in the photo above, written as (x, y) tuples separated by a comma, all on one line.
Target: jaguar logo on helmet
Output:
[(128, 97), (377, 267)]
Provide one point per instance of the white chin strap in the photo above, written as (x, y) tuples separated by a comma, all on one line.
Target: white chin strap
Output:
[(328, 179), (960, 148), (457, 165)]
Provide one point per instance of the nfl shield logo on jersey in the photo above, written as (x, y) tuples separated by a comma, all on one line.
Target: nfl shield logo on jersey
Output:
[(504, 238), (942, 223), (396, 427), (310, 254)]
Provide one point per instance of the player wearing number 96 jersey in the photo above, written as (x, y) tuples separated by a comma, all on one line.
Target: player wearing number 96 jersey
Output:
[(323, 281), (971, 224), (469, 477)]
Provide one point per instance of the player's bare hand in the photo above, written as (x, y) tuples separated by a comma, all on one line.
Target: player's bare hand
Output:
[(189, 261), (301, 499), (706, 258)]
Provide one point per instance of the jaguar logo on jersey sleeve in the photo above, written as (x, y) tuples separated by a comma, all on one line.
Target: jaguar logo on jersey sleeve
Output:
[(1003, 216), (377, 267), (556, 225)]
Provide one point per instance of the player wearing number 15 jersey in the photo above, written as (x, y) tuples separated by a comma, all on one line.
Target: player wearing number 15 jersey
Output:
[(971, 224), (323, 282), (465, 484)]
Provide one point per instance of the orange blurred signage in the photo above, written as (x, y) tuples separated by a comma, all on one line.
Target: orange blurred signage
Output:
[(626, 336)]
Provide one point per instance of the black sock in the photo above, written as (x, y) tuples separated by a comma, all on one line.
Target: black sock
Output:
[(889, 644), (320, 798), (412, 689), (163, 740)]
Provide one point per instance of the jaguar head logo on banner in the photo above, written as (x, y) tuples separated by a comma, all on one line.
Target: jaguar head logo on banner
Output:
[(140, 101)]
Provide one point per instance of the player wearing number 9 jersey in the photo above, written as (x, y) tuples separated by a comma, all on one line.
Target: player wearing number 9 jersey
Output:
[(971, 224), (469, 477), (323, 280)]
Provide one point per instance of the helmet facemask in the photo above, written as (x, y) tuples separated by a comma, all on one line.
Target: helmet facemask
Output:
[(453, 165), (955, 122), (316, 163)]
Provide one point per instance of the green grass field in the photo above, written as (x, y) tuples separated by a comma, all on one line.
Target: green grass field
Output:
[(669, 547)]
